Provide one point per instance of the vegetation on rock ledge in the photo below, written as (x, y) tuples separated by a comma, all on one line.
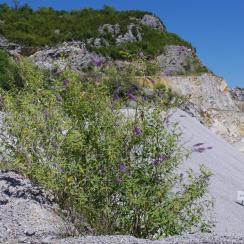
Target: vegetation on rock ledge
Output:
[(47, 26)]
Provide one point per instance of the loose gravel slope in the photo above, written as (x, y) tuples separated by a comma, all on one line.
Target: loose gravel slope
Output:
[(227, 165)]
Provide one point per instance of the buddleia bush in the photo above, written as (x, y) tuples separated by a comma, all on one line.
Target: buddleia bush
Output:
[(111, 168)]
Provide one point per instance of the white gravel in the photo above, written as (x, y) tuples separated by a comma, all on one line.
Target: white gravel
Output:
[(227, 165)]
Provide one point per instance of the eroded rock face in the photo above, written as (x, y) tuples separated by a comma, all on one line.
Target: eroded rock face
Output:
[(207, 91), (211, 102), (71, 55), (229, 125), (178, 60), (27, 213)]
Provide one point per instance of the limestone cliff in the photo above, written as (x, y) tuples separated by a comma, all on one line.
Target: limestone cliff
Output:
[(213, 104)]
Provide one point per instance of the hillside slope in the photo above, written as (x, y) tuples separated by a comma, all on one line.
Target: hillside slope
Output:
[(227, 165)]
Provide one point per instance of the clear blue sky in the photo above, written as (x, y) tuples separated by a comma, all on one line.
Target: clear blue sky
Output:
[(214, 27)]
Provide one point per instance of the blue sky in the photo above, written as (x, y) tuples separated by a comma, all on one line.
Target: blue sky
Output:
[(214, 27)]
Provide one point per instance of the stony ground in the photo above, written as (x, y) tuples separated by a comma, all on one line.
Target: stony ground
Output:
[(26, 212)]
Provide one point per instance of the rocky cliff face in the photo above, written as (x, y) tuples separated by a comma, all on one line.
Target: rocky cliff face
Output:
[(210, 100), (179, 60)]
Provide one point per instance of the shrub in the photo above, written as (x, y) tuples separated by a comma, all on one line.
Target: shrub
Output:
[(9, 75), (117, 173)]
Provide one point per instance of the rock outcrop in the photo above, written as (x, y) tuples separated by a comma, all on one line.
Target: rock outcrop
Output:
[(178, 60), (27, 213), (211, 102), (72, 55), (207, 91), (133, 34), (12, 48), (153, 22)]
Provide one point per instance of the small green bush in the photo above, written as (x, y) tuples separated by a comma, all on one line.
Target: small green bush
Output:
[(117, 173), (9, 75)]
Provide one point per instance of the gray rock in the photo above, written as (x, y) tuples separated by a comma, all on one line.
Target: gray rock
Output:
[(153, 22), (72, 55), (206, 91), (56, 31), (97, 42), (29, 214), (213, 105), (133, 34), (207, 238), (237, 94), (131, 104), (178, 60), (108, 28), (193, 111), (12, 48)]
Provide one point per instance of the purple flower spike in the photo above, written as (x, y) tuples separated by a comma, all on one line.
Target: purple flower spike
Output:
[(198, 144), (160, 159), (97, 61), (122, 168), (131, 97), (118, 181), (137, 131)]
